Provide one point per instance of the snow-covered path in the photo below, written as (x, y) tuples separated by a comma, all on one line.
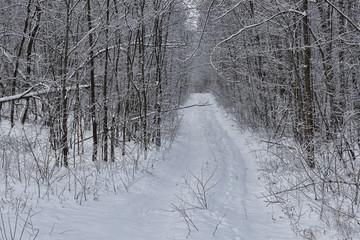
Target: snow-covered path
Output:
[(207, 143)]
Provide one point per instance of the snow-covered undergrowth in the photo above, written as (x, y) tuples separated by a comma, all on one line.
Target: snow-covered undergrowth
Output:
[(31, 177), (205, 185), (319, 202)]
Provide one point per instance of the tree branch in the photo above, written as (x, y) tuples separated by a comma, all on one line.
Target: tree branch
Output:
[(342, 14), (249, 27), (30, 93)]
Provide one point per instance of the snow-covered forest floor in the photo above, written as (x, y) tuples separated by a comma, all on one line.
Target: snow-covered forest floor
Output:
[(100, 137), (205, 185)]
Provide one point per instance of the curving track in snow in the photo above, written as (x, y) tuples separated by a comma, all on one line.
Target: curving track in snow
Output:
[(207, 141), (209, 137)]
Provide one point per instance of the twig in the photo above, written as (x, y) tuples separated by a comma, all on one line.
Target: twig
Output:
[(187, 219), (217, 225), (244, 209)]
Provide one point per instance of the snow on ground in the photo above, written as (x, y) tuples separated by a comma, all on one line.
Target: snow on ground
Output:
[(163, 203)]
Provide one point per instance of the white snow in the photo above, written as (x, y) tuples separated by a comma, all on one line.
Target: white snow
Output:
[(208, 143)]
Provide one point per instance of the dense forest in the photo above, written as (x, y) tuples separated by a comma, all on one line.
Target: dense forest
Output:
[(290, 71), (109, 67), (103, 80)]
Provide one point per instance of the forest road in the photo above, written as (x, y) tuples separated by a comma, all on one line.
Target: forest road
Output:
[(212, 148), (205, 186)]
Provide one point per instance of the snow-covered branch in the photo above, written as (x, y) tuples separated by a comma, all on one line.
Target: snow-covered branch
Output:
[(249, 27), (33, 93), (344, 15)]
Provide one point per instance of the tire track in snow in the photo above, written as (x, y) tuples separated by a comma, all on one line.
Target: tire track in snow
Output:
[(232, 174), (236, 193)]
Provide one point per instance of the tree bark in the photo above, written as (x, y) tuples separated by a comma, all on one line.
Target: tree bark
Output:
[(309, 118), (92, 84), (17, 63), (105, 83)]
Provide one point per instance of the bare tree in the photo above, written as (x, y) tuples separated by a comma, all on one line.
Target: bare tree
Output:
[(92, 84)]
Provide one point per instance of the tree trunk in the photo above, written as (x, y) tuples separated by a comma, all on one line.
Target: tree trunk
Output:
[(105, 82), (17, 63), (309, 118), (92, 85), (64, 107)]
